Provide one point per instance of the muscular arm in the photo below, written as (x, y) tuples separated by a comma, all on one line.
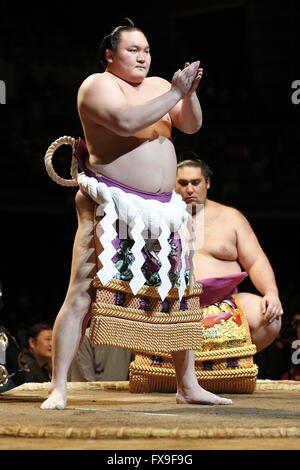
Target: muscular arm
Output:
[(253, 259), (187, 114), (102, 100)]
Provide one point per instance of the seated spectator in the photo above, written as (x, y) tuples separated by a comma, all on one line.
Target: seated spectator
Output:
[(295, 320), (38, 353), (99, 363)]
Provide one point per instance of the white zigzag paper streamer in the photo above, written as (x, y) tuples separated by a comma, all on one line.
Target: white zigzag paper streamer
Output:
[(166, 285), (182, 285), (157, 217), (192, 237), (138, 279), (108, 270)]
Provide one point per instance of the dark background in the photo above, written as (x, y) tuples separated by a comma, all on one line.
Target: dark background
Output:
[(250, 136)]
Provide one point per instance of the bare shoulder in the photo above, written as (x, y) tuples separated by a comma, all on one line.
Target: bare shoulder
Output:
[(91, 80), (237, 219), (228, 214), (234, 214), (158, 82), (99, 88), (95, 82)]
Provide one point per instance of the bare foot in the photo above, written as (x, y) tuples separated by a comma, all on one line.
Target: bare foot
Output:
[(57, 400), (201, 397)]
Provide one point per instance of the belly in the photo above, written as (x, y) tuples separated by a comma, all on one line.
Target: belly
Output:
[(207, 266), (150, 167)]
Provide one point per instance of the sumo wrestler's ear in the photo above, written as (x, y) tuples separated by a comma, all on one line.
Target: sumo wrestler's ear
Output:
[(31, 342), (109, 55)]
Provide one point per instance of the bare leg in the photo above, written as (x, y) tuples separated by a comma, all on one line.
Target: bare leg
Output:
[(188, 389), (262, 332), (67, 327)]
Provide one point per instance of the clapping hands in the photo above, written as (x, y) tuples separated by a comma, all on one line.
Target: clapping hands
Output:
[(186, 80)]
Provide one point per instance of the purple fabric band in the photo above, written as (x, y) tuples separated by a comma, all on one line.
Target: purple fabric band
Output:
[(216, 289), (162, 197)]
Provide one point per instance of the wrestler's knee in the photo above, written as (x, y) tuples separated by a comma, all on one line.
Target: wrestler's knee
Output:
[(274, 327), (78, 305), (251, 306), (267, 334)]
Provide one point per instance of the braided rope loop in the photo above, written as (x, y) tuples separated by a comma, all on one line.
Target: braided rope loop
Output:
[(66, 140)]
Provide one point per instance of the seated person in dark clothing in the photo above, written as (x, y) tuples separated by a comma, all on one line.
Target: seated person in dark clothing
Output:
[(38, 353), (99, 363)]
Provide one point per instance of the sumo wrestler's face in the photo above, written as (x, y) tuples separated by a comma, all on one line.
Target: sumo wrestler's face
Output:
[(131, 60), (192, 185)]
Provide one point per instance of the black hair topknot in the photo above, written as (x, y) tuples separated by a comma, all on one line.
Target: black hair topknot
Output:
[(126, 22)]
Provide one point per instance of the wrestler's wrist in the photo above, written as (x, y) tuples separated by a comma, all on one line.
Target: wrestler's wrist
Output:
[(271, 290), (192, 96), (176, 93)]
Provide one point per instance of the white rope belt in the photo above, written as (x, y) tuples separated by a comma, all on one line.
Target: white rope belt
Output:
[(144, 217)]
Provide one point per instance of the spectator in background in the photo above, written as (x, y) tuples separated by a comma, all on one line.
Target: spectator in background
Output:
[(99, 363), (38, 353), (295, 319)]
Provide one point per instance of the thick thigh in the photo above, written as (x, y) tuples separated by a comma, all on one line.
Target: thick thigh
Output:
[(75, 311), (262, 332), (83, 267), (251, 305)]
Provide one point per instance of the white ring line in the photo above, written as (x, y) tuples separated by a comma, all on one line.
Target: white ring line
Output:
[(119, 411)]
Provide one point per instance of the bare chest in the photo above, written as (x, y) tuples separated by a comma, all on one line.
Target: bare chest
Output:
[(146, 92), (219, 241)]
